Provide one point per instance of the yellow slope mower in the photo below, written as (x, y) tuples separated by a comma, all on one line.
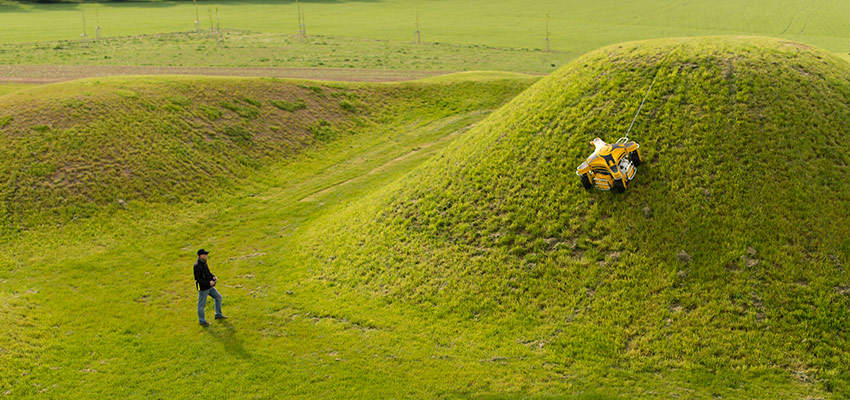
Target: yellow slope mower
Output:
[(611, 166)]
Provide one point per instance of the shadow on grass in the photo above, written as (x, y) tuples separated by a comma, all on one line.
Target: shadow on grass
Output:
[(226, 333)]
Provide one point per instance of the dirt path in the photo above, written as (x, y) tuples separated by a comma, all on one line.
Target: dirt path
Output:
[(39, 74)]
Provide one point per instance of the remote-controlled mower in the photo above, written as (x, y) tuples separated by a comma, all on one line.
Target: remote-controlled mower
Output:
[(611, 166)]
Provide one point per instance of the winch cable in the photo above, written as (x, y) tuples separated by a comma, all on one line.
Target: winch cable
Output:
[(647, 93)]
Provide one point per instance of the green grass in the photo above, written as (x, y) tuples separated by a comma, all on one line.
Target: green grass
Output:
[(349, 271), (436, 253), (6, 88), (473, 29), (247, 49), (111, 330), (78, 146), (727, 253)]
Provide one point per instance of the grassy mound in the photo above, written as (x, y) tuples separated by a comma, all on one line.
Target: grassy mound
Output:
[(75, 148), (726, 257)]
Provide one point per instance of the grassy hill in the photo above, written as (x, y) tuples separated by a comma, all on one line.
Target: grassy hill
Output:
[(436, 253), (723, 265), (78, 147)]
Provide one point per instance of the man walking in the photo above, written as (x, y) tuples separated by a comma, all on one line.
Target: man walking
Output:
[(205, 282)]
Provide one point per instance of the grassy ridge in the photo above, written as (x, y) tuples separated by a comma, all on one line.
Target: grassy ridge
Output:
[(727, 254), (122, 329), (77, 147)]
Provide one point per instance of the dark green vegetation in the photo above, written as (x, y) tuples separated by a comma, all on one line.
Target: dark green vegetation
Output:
[(348, 272), (722, 269)]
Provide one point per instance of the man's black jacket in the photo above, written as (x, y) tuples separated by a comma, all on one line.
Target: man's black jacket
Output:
[(203, 276)]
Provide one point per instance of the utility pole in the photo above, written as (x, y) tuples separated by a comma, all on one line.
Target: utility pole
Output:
[(209, 11), (298, 11), (197, 17), (97, 29), (217, 27), (302, 23), (547, 31), (417, 34), (83, 35)]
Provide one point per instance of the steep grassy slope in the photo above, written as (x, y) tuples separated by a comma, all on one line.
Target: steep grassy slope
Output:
[(723, 265), (74, 148)]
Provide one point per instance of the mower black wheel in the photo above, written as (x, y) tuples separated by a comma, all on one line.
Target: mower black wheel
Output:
[(619, 186), (585, 181), (635, 157)]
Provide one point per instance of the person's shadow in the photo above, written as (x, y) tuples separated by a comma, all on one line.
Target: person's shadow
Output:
[(226, 333)]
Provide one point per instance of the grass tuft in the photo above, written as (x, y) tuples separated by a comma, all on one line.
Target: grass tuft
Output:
[(255, 103), (323, 131), (238, 134), (212, 113), (289, 106), (347, 106)]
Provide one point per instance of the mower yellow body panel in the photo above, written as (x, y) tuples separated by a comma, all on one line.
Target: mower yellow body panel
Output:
[(611, 166)]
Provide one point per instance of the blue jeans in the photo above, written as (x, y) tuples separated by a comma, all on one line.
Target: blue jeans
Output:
[(202, 302)]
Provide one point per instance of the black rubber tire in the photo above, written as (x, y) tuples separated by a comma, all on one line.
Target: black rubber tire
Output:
[(618, 186), (635, 157), (585, 181)]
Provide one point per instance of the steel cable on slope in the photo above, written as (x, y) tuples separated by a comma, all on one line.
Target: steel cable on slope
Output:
[(647, 91)]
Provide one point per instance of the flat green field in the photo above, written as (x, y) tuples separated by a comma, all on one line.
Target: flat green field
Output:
[(575, 26), (274, 50)]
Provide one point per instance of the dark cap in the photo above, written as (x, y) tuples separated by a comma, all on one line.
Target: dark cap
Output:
[(202, 251)]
